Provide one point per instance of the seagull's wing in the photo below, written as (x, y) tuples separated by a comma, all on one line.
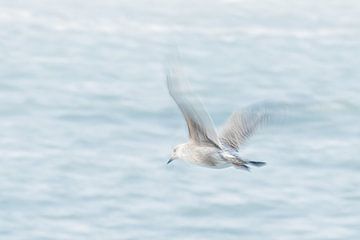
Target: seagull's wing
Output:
[(242, 125), (200, 126)]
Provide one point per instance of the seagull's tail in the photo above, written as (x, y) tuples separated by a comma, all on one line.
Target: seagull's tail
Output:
[(256, 164), (245, 164)]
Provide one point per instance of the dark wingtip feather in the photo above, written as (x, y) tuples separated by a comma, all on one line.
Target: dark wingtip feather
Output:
[(257, 164)]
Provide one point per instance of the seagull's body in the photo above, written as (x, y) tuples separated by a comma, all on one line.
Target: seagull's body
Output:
[(206, 156), (212, 157), (205, 147)]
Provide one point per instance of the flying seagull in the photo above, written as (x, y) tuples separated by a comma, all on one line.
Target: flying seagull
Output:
[(206, 147)]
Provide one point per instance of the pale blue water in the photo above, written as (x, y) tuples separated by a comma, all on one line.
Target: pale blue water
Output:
[(87, 125)]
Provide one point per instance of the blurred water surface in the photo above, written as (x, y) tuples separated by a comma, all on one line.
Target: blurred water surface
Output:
[(87, 125)]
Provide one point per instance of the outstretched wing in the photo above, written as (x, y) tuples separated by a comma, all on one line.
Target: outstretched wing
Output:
[(200, 126), (242, 125)]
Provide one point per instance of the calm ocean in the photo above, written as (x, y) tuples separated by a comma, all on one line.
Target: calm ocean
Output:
[(87, 125)]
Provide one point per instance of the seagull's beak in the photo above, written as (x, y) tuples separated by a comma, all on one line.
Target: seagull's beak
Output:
[(170, 160)]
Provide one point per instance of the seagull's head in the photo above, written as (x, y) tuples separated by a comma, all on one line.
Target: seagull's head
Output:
[(177, 153)]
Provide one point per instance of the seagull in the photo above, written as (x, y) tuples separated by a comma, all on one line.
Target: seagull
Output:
[(205, 146)]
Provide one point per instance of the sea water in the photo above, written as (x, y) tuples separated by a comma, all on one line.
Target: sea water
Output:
[(87, 124)]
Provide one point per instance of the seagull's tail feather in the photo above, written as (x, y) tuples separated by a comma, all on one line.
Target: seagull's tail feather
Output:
[(245, 165), (242, 166), (256, 164)]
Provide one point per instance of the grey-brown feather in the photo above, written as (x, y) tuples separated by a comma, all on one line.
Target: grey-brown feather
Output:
[(242, 125), (200, 126)]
